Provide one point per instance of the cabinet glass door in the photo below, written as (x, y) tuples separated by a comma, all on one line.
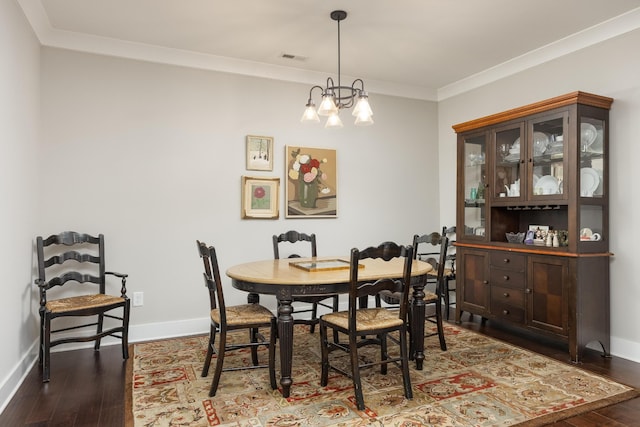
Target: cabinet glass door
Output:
[(592, 165), (508, 149), (474, 176), (547, 151), (591, 182)]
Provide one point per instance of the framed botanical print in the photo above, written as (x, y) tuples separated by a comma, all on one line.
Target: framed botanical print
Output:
[(312, 185), (260, 197), (259, 153)]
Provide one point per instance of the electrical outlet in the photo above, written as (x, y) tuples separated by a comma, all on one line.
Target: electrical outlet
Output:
[(138, 299)]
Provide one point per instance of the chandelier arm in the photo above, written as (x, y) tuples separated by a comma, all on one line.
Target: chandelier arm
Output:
[(311, 91)]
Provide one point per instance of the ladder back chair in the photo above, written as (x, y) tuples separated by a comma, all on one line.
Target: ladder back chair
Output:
[(449, 274), (370, 326), (225, 319), (72, 283), (435, 276), (314, 301)]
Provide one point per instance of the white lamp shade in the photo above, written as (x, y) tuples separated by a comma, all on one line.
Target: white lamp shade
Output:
[(310, 114), (362, 108), (327, 106), (364, 121), (333, 121)]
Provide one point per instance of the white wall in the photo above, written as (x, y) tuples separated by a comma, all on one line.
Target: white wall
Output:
[(155, 154), (611, 69), (19, 122)]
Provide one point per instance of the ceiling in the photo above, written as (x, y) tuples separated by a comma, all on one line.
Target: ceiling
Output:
[(424, 49)]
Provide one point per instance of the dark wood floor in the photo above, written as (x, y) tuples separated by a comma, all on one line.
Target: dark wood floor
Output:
[(88, 388)]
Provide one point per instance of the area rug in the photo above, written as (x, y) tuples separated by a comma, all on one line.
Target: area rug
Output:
[(478, 381)]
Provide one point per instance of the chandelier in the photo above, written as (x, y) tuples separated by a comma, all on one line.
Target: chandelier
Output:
[(336, 97)]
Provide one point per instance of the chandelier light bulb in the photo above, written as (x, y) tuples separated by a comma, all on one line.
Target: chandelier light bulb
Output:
[(310, 114), (328, 104), (333, 122)]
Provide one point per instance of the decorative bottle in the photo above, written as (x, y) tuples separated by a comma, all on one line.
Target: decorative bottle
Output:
[(556, 241), (549, 241)]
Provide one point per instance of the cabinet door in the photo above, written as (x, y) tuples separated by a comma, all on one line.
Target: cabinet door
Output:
[(507, 149), (547, 153), (547, 287), (472, 184), (593, 181), (472, 289)]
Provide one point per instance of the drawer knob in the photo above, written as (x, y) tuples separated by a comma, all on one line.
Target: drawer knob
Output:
[(505, 312), (485, 282), (505, 277), (506, 260), (528, 290), (506, 295)]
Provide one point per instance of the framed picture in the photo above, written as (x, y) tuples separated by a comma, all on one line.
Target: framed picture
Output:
[(260, 197), (259, 153), (312, 184)]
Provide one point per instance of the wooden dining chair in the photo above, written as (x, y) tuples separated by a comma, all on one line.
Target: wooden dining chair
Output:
[(370, 326), (437, 259), (73, 283), (225, 319), (294, 237), (449, 274), (436, 277)]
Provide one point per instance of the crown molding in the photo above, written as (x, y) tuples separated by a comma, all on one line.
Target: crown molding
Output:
[(606, 30), (49, 36)]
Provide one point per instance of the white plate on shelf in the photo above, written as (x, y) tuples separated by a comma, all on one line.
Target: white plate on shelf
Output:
[(588, 134), (540, 143), (589, 181), (598, 145), (548, 184)]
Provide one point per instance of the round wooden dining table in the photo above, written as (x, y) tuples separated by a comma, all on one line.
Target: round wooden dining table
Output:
[(290, 277)]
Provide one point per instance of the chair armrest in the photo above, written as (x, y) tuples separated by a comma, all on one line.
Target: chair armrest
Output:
[(43, 292), (123, 290)]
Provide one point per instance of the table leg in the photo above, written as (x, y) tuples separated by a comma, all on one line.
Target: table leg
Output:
[(253, 298), (285, 335), (417, 325)]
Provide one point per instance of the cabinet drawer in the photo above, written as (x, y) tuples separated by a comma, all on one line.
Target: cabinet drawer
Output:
[(508, 296), (506, 311), (508, 260), (509, 278)]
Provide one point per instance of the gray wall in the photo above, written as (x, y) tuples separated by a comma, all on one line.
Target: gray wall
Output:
[(19, 123)]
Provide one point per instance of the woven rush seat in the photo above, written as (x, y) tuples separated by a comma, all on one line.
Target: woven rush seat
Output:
[(82, 302), (366, 319), (394, 298), (245, 314)]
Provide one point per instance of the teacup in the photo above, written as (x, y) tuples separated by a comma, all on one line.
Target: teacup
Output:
[(596, 236)]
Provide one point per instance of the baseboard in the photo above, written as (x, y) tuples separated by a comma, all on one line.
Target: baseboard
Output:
[(17, 375)]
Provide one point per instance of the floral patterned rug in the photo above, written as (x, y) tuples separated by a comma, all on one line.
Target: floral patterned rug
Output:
[(478, 381)]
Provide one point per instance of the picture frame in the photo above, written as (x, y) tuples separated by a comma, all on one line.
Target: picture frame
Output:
[(260, 197), (311, 190), (259, 151)]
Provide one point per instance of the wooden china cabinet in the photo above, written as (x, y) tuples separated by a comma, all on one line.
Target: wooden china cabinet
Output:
[(541, 167)]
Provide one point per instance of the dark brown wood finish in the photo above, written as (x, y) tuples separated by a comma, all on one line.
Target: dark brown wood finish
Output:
[(564, 290), (90, 386), (76, 262), (248, 317), (359, 325)]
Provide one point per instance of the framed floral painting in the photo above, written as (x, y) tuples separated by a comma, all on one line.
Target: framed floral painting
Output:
[(312, 185), (260, 197), (259, 153)]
